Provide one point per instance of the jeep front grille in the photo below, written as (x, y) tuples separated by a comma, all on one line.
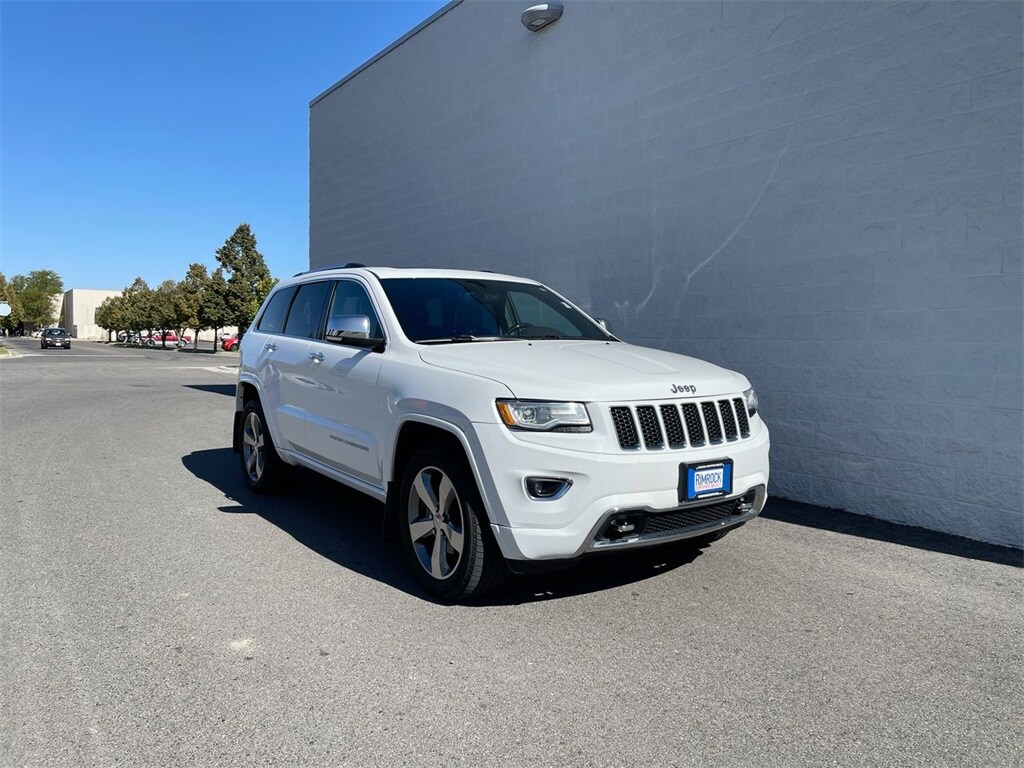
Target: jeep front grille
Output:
[(649, 426), (678, 425), (625, 428)]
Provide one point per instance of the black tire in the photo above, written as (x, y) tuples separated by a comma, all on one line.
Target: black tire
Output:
[(457, 515), (265, 473)]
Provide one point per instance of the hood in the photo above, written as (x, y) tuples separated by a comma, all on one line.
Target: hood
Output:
[(592, 371)]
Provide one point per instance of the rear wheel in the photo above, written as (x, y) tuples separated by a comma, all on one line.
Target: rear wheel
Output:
[(262, 468), (444, 534)]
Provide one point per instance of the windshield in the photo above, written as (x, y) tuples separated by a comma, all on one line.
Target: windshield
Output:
[(441, 309), (54, 332)]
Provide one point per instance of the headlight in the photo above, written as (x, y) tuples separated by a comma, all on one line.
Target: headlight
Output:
[(544, 417), (750, 399)]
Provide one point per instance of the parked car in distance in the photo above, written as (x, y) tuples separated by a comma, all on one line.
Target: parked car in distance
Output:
[(503, 428), (230, 343), (170, 338), (55, 337)]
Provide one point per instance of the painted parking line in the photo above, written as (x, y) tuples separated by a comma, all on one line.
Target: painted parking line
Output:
[(230, 370), (61, 356)]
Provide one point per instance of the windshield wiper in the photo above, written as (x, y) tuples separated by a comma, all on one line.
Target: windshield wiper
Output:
[(465, 338)]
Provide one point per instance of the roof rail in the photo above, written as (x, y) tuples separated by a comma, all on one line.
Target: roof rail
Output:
[(349, 265)]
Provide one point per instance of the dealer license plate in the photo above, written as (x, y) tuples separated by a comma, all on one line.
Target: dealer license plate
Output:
[(705, 481)]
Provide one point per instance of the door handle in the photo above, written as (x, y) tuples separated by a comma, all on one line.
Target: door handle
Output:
[(316, 357), (270, 346)]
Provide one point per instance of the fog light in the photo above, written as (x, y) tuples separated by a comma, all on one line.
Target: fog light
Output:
[(547, 488), (746, 504), (625, 525)]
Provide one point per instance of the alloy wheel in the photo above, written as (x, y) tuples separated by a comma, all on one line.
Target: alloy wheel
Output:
[(252, 447), (436, 523)]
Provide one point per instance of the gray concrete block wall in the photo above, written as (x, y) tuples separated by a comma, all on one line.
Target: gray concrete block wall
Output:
[(824, 196)]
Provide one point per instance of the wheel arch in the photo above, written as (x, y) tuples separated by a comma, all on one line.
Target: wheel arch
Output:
[(245, 391), (425, 432)]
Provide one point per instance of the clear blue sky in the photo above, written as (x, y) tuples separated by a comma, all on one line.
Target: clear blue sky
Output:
[(137, 135)]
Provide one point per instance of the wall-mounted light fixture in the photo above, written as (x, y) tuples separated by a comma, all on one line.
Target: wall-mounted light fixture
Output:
[(537, 17)]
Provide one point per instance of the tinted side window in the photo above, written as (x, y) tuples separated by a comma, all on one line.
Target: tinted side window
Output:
[(272, 320), (307, 312), (350, 298)]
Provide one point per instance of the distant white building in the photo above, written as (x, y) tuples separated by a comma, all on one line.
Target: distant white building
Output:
[(78, 313)]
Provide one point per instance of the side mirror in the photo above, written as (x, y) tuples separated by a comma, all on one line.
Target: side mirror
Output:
[(603, 323), (351, 330)]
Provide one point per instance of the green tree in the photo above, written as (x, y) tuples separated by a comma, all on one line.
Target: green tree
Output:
[(37, 291), (106, 315), (248, 278), (214, 311), (165, 307), (190, 298), (138, 307), (9, 295)]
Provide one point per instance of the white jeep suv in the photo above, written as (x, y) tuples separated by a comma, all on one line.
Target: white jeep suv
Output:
[(503, 428)]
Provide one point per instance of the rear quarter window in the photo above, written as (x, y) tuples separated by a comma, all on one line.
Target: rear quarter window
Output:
[(272, 320)]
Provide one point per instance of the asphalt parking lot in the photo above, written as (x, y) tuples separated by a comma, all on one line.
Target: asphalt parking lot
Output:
[(153, 612)]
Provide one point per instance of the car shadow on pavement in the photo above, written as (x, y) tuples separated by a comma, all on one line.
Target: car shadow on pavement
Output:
[(345, 526), (217, 389), (882, 530)]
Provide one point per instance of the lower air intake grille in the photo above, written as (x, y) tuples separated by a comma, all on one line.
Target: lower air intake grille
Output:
[(670, 523), (652, 526)]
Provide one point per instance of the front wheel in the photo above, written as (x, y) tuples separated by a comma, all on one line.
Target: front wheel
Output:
[(443, 530), (262, 468)]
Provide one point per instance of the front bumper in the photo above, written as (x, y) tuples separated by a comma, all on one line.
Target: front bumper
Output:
[(605, 485)]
